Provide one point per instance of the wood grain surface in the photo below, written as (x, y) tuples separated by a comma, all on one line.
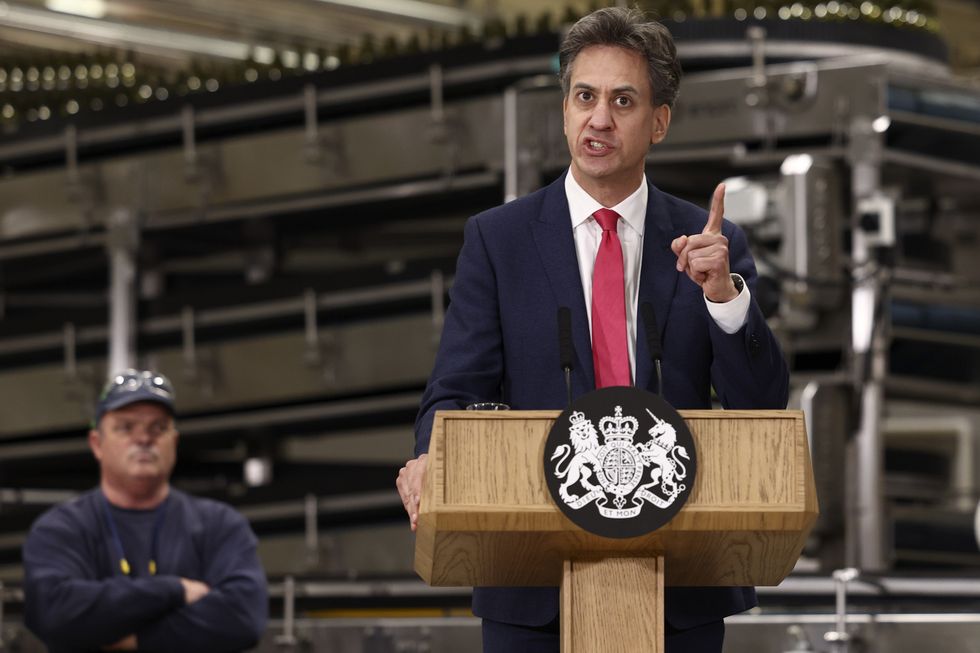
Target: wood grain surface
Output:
[(487, 518), (612, 605)]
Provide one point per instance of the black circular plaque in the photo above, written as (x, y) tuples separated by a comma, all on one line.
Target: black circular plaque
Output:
[(620, 462)]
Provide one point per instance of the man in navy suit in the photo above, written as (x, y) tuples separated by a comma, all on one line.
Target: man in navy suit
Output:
[(522, 261)]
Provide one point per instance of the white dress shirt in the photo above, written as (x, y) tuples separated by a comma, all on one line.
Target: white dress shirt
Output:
[(730, 316)]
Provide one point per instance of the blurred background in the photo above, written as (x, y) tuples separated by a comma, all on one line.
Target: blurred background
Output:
[(265, 200)]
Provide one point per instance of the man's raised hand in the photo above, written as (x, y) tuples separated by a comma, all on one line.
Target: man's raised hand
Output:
[(704, 257)]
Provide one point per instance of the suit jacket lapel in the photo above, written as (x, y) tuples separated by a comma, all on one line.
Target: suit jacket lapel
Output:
[(552, 232), (658, 278)]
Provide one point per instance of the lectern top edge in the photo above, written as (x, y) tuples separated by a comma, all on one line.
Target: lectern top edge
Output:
[(699, 413)]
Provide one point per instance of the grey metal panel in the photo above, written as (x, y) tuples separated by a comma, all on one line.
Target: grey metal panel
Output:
[(712, 107), (357, 152), (257, 110), (41, 398), (38, 204), (390, 445), (383, 549), (813, 219), (360, 357), (363, 356), (876, 633), (827, 406)]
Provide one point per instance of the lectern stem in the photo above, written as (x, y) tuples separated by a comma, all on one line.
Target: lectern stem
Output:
[(612, 605)]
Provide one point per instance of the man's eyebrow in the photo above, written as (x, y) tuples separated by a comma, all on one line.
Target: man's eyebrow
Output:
[(626, 89), (616, 91)]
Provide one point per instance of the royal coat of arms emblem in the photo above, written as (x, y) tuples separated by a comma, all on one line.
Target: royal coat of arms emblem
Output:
[(620, 461)]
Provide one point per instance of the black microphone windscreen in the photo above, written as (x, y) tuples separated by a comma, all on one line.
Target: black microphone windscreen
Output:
[(565, 349), (652, 330)]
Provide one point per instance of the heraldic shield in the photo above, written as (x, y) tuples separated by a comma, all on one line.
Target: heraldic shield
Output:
[(620, 462)]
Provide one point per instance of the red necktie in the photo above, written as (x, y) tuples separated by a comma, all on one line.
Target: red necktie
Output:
[(609, 352)]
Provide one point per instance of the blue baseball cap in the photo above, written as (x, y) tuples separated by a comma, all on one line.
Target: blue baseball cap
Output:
[(131, 386)]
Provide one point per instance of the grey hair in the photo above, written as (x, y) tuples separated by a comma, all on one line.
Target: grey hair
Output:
[(625, 28)]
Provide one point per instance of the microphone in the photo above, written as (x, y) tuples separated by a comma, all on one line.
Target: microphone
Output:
[(566, 352), (653, 341)]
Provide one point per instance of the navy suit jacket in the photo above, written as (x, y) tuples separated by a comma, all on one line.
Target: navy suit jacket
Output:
[(500, 343)]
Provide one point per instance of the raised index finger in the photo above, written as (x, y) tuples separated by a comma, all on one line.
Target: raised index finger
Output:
[(717, 211)]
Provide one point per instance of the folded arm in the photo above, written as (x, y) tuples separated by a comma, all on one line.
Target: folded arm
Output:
[(232, 615), (66, 605)]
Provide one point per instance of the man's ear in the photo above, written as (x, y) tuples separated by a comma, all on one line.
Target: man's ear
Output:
[(661, 123), (95, 443)]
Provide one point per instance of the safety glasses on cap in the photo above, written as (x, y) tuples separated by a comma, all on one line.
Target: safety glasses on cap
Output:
[(131, 380)]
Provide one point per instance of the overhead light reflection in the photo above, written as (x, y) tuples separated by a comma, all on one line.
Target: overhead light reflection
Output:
[(87, 8), (105, 32), (426, 12)]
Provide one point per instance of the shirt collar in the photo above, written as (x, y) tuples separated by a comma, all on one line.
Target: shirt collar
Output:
[(581, 205)]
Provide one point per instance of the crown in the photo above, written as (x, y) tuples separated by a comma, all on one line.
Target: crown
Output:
[(576, 418), (618, 428)]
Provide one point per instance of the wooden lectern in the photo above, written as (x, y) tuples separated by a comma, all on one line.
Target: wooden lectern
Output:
[(487, 518)]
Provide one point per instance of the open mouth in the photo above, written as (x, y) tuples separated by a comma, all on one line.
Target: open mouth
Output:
[(596, 146)]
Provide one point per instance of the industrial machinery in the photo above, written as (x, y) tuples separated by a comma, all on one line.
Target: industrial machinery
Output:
[(283, 251)]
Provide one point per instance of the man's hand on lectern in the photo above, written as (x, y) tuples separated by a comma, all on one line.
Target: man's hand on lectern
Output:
[(409, 484)]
